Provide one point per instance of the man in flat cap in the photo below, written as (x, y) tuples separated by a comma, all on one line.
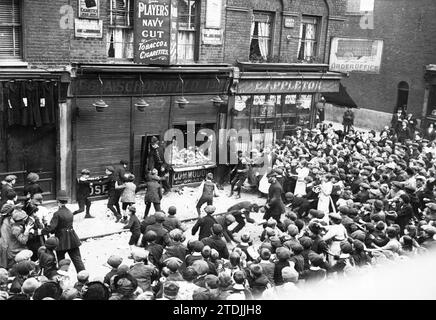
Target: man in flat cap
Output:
[(83, 192)]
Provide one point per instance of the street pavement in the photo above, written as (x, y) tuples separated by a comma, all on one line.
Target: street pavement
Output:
[(102, 238)]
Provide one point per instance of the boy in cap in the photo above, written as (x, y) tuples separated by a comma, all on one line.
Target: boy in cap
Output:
[(82, 280), (47, 258), (170, 291), (114, 262), (315, 271), (134, 226), (208, 190), (83, 192), (172, 222), (205, 224), (113, 194), (216, 242), (161, 233)]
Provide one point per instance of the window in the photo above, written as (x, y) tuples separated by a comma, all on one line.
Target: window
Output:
[(360, 6), (10, 30), (402, 95), (188, 19), (308, 45), (120, 31), (260, 45)]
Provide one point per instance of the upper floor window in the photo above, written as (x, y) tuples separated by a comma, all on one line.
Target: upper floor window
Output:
[(120, 31), (360, 6), (261, 33), (308, 44), (188, 24), (10, 30)]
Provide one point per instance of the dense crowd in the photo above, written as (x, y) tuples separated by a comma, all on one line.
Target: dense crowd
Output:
[(335, 202)]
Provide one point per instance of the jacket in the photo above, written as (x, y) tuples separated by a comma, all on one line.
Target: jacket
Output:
[(128, 195), (83, 189), (204, 224), (62, 226), (162, 233), (12, 241), (154, 191), (48, 263), (217, 243), (31, 188), (144, 274)]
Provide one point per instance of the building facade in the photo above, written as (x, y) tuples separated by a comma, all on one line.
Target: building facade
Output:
[(239, 64), (404, 30)]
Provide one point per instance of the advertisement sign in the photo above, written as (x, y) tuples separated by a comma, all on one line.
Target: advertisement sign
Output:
[(212, 37), (191, 176), (152, 32), (89, 9), (213, 13), (356, 55), (84, 28)]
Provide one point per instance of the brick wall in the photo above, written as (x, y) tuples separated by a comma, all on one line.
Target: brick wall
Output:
[(285, 40), (407, 29)]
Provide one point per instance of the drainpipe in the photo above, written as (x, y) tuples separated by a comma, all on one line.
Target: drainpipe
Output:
[(326, 31)]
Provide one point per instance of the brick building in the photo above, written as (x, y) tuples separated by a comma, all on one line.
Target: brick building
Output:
[(266, 60), (406, 29)]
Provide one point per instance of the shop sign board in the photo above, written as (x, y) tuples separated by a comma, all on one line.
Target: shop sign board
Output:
[(152, 25), (190, 176), (287, 86), (356, 55)]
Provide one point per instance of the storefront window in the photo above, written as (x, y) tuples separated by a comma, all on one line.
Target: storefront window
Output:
[(431, 109), (251, 112)]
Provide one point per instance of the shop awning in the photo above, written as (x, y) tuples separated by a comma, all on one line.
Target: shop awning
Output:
[(341, 98)]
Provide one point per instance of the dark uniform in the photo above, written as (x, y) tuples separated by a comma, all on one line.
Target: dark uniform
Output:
[(62, 226), (241, 212)]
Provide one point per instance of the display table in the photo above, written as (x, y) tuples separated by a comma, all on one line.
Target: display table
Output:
[(182, 175)]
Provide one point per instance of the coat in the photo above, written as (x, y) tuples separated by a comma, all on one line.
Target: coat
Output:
[(144, 274), (154, 191), (204, 224), (48, 263), (31, 188), (62, 226), (217, 243), (12, 241), (4, 190), (128, 195)]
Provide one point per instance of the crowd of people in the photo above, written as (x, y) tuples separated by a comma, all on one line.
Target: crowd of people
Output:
[(335, 202)]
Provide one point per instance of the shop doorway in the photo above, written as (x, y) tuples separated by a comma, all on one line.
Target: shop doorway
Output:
[(28, 149), (145, 151)]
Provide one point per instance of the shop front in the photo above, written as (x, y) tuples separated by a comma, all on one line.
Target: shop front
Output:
[(280, 102), (29, 127), (142, 103)]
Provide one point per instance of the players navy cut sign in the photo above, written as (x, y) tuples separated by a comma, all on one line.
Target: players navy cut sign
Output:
[(152, 32)]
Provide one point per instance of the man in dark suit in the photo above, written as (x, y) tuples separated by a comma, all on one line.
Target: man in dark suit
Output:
[(205, 224), (156, 160), (62, 226), (274, 206)]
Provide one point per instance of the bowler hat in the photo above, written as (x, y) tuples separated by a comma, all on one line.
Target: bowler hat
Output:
[(62, 195)]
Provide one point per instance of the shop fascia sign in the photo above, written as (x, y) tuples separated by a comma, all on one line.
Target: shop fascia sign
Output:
[(287, 86)]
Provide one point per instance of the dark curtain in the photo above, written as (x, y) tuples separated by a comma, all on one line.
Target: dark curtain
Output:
[(40, 108)]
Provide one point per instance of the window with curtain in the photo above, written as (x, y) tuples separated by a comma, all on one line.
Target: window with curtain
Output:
[(188, 23), (308, 45), (10, 30), (120, 31), (261, 31), (360, 6)]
